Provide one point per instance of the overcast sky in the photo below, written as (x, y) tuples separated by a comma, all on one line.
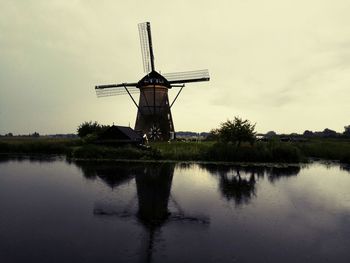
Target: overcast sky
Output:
[(284, 65)]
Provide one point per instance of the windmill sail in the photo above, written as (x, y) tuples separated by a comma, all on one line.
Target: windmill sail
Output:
[(146, 46), (108, 86), (187, 76), (116, 89)]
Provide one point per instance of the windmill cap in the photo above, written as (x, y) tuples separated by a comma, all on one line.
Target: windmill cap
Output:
[(153, 78)]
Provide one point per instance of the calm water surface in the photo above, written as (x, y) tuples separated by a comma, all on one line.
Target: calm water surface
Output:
[(55, 211)]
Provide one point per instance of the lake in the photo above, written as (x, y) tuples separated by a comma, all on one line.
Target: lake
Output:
[(53, 210)]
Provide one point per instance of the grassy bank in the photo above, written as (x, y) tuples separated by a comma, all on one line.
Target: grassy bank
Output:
[(331, 149), (272, 151), (184, 151), (212, 151), (40, 145), (90, 151)]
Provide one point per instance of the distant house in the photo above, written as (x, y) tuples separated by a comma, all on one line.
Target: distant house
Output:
[(116, 135)]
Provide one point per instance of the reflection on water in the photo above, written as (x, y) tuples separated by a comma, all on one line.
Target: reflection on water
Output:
[(153, 184), (277, 173), (238, 183), (153, 191), (113, 174), (345, 167), (4, 158), (149, 212)]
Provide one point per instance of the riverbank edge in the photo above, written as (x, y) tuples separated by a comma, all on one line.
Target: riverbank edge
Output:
[(207, 152), (43, 157)]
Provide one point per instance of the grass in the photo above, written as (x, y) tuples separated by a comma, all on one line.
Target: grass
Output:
[(212, 151), (331, 149), (259, 152), (183, 151), (273, 151), (41, 145), (91, 151)]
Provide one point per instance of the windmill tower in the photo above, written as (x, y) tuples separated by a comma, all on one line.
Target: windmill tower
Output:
[(154, 109)]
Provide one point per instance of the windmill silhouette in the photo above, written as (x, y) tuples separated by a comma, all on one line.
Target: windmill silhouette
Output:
[(154, 109)]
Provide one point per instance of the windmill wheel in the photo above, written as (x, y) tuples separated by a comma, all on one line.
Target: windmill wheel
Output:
[(155, 133)]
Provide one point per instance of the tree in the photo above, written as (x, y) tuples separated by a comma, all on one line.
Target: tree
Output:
[(237, 131), (329, 133), (213, 135), (347, 130), (271, 134), (308, 133), (90, 127), (35, 134)]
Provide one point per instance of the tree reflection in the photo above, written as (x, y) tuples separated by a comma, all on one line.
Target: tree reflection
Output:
[(29, 158), (276, 173), (234, 187), (111, 173), (345, 167), (238, 183)]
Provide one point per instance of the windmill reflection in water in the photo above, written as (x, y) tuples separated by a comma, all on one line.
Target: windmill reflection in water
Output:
[(153, 184)]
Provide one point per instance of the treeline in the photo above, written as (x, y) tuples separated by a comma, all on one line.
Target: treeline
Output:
[(37, 135), (10, 134), (326, 133)]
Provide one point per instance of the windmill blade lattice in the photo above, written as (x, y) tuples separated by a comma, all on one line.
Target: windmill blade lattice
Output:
[(145, 47), (187, 76), (116, 91)]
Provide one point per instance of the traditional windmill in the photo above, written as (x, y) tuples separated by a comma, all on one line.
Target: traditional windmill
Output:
[(154, 110)]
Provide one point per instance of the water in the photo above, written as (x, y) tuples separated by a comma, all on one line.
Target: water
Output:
[(55, 211)]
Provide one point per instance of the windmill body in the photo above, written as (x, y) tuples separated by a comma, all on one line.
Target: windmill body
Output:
[(154, 114), (154, 109)]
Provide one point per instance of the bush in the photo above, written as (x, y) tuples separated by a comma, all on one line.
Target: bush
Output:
[(90, 127), (236, 131)]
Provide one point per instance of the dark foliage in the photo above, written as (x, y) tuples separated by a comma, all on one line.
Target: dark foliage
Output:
[(347, 131), (236, 131), (90, 127)]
